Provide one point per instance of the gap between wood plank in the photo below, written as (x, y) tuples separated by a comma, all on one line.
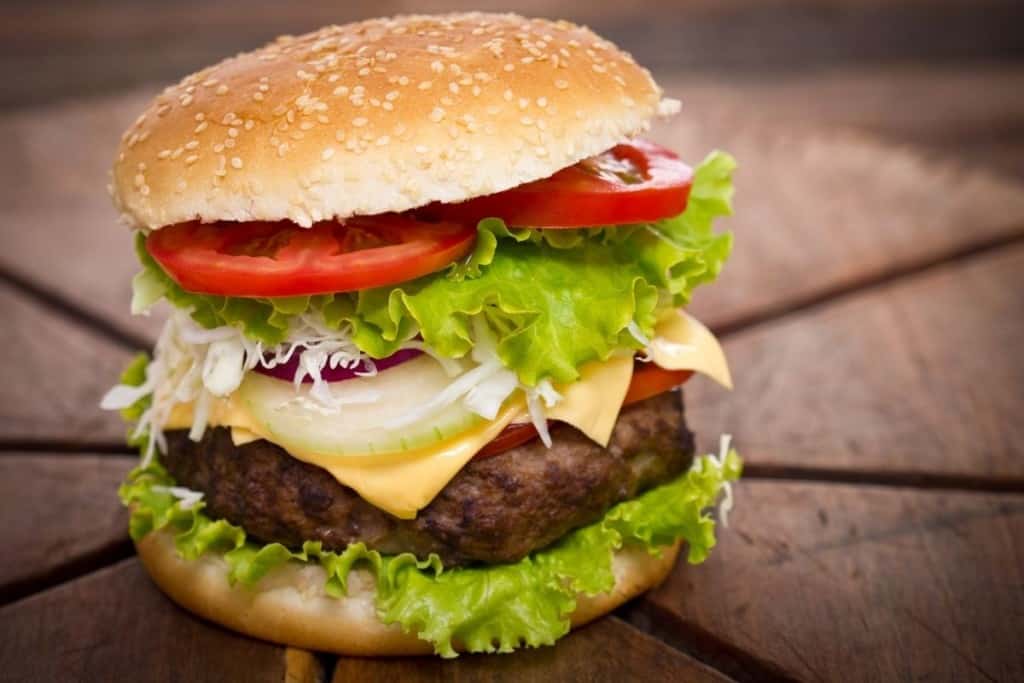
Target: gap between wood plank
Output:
[(86, 319), (699, 644), (75, 568), (896, 479), (868, 282), (39, 446)]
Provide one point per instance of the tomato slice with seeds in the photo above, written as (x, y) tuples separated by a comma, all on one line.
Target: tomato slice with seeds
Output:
[(648, 380), (272, 259), (636, 182)]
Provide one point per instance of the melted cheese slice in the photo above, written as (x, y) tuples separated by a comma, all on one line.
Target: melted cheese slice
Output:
[(592, 404), (404, 483), (681, 342)]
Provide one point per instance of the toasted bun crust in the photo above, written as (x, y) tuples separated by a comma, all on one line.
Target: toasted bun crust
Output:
[(377, 116), (289, 606)]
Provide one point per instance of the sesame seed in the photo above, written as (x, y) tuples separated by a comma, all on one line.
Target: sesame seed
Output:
[(327, 153), (221, 89), (236, 162), (200, 116), (383, 140), (561, 84), (341, 90), (191, 159), (437, 114), (164, 154), (306, 125), (422, 149), (425, 85), (453, 87), (258, 96), (359, 122), (233, 132), (192, 144), (282, 149)]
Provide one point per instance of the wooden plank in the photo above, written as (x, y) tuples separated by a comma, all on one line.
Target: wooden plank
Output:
[(939, 106), (920, 376), (54, 378), (118, 43), (834, 208), (60, 229), (113, 625), (607, 650), (61, 517), (824, 582), (821, 212)]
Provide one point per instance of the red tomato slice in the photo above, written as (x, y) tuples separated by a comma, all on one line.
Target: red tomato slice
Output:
[(630, 183), (648, 380), (281, 259)]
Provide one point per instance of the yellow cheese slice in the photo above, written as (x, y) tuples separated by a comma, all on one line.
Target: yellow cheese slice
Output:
[(405, 483), (681, 342), (592, 404)]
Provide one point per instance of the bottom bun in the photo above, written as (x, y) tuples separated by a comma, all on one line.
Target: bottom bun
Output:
[(289, 605)]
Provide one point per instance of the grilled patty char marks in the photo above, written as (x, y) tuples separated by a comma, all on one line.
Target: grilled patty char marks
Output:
[(496, 509)]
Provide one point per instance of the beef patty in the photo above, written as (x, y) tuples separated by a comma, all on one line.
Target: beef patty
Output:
[(496, 509)]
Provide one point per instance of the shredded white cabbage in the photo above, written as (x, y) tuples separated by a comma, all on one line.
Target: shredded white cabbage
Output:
[(193, 364), (719, 461), (189, 498)]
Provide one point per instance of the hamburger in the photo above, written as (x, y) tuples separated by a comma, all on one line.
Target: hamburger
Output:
[(418, 387)]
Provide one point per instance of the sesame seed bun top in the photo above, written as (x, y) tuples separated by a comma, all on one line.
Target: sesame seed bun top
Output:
[(377, 116)]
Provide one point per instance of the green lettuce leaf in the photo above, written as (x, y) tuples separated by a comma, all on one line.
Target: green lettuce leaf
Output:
[(494, 608), (554, 299)]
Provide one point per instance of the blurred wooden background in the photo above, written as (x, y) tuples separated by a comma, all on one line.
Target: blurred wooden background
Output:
[(943, 74), (873, 313)]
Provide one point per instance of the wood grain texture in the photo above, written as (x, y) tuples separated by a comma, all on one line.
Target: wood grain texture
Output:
[(61, 517), (824, 582), (923, 375), (607, 650), (852, 207), (113, 625), (54, 379), (817, 213), (157, 40), (919, 103)]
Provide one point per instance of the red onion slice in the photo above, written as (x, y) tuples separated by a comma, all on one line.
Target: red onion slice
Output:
[(286, 371)]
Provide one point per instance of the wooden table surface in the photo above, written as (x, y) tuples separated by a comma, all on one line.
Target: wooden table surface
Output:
[(873, 314)]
